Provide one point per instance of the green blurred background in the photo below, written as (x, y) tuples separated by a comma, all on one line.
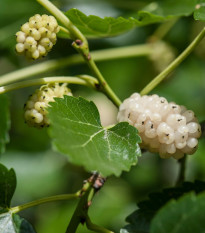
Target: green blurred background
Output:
[(42, 172)]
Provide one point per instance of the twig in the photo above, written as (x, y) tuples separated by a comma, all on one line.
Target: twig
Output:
[(45, 200), (92, 185), (81, 80), (93, 227), (80, 43)]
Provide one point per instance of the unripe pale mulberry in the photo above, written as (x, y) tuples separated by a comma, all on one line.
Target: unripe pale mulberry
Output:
[(35, 108), (166, 128), (37, 36), (162, 55)]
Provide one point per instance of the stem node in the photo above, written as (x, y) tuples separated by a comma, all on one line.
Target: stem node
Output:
[(79, 42)]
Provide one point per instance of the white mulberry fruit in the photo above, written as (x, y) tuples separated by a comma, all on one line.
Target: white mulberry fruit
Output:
[(37, 36), (166, 128), (35, 108)]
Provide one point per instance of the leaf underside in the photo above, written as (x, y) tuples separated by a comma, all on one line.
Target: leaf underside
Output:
[(77, 132), (93, 26)]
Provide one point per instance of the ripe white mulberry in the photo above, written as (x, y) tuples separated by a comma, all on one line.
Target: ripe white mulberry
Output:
[(35, 108), (37, 36), (166, 128)]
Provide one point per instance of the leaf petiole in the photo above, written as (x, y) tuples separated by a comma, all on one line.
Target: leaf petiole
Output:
[(89, 81), (62, 197), (64, 30), (92, 185), (93, 227)]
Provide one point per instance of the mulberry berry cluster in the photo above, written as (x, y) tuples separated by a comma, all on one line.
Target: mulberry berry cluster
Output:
[(37, 36), (35, 108), (166, 128)]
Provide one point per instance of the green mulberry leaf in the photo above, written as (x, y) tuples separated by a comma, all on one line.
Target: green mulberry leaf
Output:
[(140, 220), (77, 132), (93, 26), (10, 222), (185, 215), (7, 186)]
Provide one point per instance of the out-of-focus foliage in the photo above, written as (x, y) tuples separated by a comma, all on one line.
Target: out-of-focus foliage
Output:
[(9, 221), (4, 122), (140, 220), (182, 216), (13, 14)]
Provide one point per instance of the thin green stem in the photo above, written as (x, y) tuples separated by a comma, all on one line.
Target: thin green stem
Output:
[(98, 55), (103, 84), (174, 64), (93, 227), (182, 168), (80, 211), (83, 205), (122, 52), (89, 81), (163, 29), (74, 32), (93, 184), (37, 69), (63, 197), (81, 45), (88, 78), (64, 30)]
